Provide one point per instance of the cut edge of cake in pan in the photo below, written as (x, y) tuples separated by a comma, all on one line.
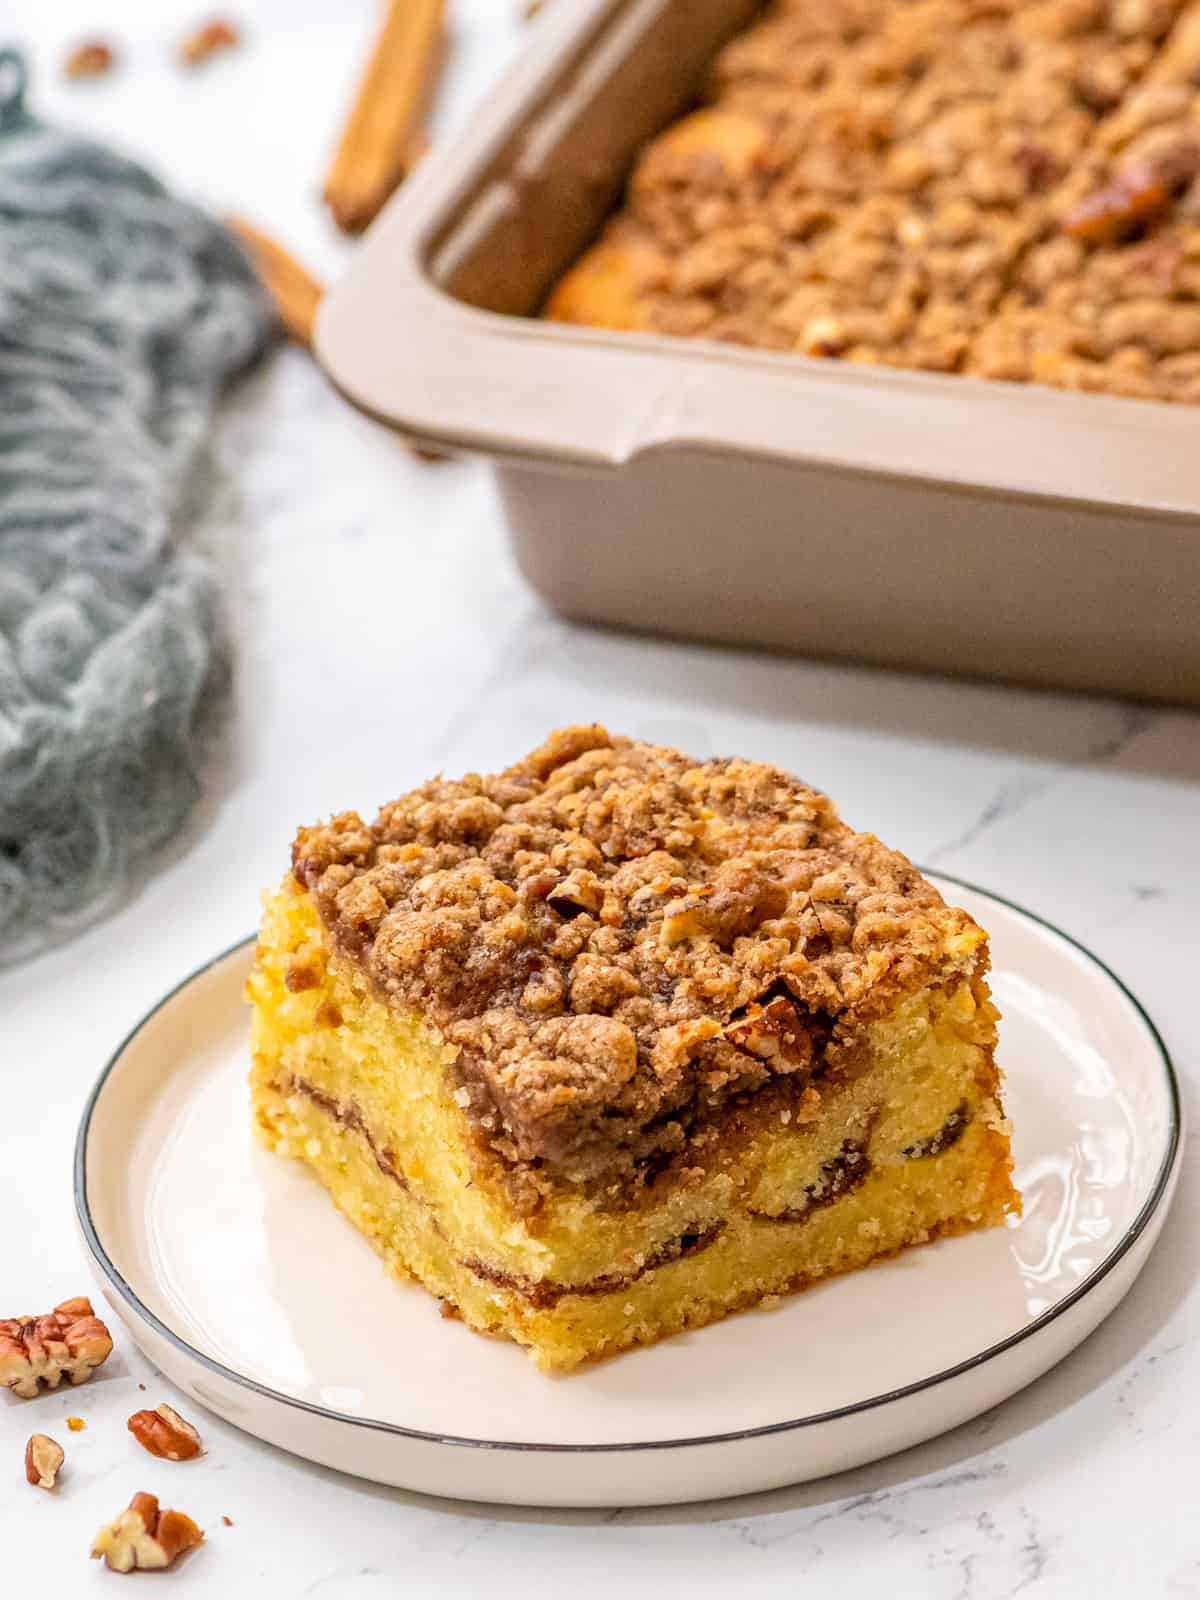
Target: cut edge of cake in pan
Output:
[(614, 1043)]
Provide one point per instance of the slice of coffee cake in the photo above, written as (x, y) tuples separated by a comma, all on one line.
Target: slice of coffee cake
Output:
[(616, 1042)]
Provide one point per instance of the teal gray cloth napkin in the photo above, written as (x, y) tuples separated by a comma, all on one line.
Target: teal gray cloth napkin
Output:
[(123, 311)]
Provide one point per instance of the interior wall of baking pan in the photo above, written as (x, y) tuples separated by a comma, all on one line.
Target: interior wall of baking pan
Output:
[(549, 185)]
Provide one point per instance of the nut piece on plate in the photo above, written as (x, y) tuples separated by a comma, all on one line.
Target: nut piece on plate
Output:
[(209, 40), (43, 1458), (91, 59), (145, 1538), (69, 1341), (165, 1434)]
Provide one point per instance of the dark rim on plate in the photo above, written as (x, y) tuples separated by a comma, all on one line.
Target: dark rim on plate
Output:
[(1128, 1239)]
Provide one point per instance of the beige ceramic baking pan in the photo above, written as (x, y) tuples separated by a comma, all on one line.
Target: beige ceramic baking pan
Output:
[(693, 488)]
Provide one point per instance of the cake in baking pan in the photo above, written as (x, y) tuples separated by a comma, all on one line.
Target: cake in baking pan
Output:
[(996, 187)]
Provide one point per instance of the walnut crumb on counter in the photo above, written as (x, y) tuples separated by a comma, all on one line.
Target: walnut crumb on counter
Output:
[(145, 1538), (68, 1342), (43, 1460)]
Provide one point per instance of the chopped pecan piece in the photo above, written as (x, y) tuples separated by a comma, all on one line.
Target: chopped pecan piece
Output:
[(145, 1538), (774, 1033), (1109, 214), (209, 40), (165, 1434), (1138, 195), (824, 336), (69, 1341), (92, 59), (738, 901), (43, 1457), (578, 892)]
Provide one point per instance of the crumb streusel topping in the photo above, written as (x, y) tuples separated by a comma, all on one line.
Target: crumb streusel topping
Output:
[(1004, 187), (619, 938)]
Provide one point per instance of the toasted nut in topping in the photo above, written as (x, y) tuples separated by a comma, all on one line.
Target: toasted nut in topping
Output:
[(1109, 214), (69, 1341), (43, 1458), (824, 336), (209, 40), (91, 59), (578, 892), (145, 1538), (1139, 194), (165, 1434), (774, 1033), (684, 918)]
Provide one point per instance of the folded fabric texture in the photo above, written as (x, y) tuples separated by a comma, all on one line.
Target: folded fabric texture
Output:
[(123, 310)]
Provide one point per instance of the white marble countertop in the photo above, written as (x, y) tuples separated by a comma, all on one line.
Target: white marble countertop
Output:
[(384, 633)]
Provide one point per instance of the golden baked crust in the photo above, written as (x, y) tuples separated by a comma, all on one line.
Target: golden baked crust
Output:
[(619, 939), (900, 182)]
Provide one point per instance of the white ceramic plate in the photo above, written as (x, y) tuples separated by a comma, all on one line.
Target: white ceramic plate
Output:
[(233, 1272)]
